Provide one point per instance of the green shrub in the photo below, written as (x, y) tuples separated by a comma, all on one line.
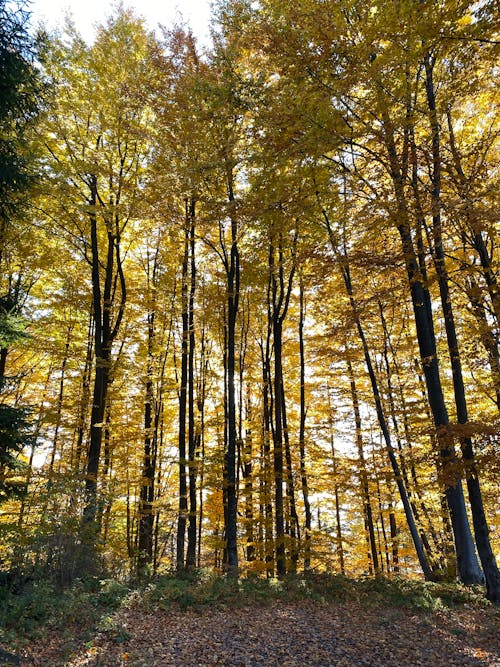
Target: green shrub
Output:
[(112, 593)]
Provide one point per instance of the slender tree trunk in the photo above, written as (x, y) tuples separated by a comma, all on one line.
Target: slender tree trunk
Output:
[(402, 457), (105, 332), (85, 396), (302, 433), (468, 565), (363, 474), (147, 493), (248, 481), (394, 536), (339, 540), (278, 451), (385, 432), (233, 293), (481, 529), (290, 489), (280, 293), (266, 490), (4, 351), (202, 388), (183, 500), (382, 526), (191, 546), (60, 399)]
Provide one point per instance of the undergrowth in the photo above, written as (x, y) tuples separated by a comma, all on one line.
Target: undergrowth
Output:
[(29, 608), (201, 590)]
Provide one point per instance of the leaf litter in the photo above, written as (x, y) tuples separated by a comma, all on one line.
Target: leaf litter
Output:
[(281, 634)]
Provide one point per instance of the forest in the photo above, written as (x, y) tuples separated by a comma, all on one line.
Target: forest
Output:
[(249, 295)]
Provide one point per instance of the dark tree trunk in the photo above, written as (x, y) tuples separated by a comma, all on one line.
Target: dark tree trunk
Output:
[(147, 492), (290, 489), (394, 539), (481, 529), (339, 539), (302, 434), (278, 452), (4, 351), (183, 500), (402, 458), (192, 533), (468, 565), (201, 396), (266, 475), (280, 293), (233, 294), (385, 429), (85, 397), (363, 474), (105, 332), (382, 526), (248, 482)]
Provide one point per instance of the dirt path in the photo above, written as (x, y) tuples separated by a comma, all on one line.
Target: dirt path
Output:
[(298, 634)]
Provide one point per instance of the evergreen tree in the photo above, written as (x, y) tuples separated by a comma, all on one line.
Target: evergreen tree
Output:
[(19, 90)]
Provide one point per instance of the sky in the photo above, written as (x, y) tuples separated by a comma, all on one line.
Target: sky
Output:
[(87, 13)]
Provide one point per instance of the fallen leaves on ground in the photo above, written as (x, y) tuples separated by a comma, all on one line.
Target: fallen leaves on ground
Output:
[(284, 634)]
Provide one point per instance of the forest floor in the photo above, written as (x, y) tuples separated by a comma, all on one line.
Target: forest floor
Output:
[(284, 634), (287, 632)]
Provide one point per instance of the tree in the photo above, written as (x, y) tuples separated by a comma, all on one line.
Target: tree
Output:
[(97, 148), (20, 87)]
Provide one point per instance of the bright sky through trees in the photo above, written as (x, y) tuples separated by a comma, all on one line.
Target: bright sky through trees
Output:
[(92, 12)]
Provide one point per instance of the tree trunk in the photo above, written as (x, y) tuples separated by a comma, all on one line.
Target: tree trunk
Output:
[(248, 481), (278, 451), (85, 397), (302, 434), (363, 475), (105, 332), (147, 493), (183, 500), (280, 293), (340, 545), (481, 529), (266, 475), (192, 534), (233, 289), (59, 407), (468, 565)]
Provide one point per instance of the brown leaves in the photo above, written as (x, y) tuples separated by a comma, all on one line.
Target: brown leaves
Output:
[(286, 634)]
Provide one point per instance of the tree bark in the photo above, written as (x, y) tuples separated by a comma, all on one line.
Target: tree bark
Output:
[(192, 533), (302, 433), (467, 563), (481, 529), (363, 474), (183, 500), (105, 332), (233, 294), (280, 293), (344, 267)]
